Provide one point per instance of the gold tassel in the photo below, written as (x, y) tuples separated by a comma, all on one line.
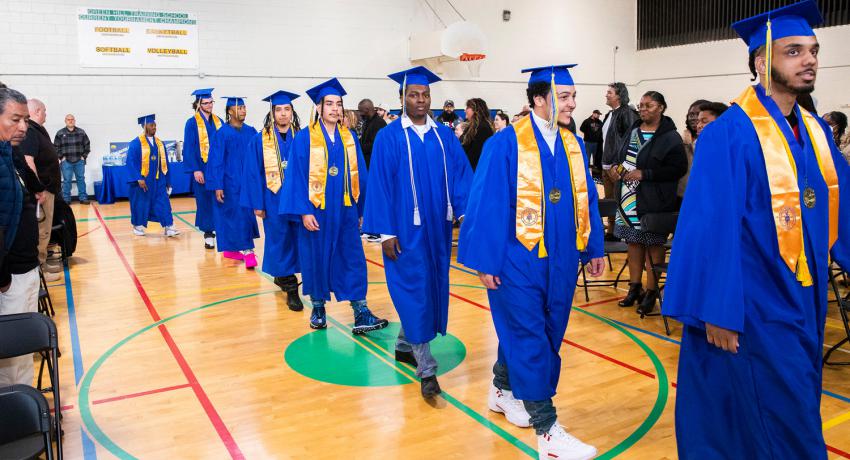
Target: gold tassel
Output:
[(769, 59), (541, 250), (803, 274)]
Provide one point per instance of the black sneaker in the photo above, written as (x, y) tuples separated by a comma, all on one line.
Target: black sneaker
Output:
[(406, 357), (365, 321), (84, 201), (430, 387)]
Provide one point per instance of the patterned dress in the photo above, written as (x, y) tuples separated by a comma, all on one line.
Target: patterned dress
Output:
[(628, 223)]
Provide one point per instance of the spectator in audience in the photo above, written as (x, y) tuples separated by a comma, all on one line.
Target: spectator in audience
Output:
[(460, 128), (350, 119), (73, 147), (372, 123), (689, 136), (40, 155), (477, 131), (653, 161), (19, 280), (501, 121), (838, 122), (383, 112), (591, 130), (523, 112), (449, 117), (708, 112), (616, 128)]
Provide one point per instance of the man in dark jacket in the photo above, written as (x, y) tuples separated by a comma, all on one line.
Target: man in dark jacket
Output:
[(615, 132), (371, 124), (19, 279), (73, 146), (591, 130)]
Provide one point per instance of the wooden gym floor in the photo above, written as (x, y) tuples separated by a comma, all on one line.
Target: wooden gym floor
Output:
[(170, 351)]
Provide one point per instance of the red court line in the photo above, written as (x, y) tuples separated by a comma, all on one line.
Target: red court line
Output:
[(837, 451), (63, 408), (141, 393), (86, 233), (212, 414)]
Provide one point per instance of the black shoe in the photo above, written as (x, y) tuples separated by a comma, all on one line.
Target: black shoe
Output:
[(84, 201), (648, 303), (289, 285), (430, 387), (636, 294), (406, 357)]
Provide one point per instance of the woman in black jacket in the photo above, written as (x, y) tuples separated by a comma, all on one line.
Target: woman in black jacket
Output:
[(651, 164), (477, 131)]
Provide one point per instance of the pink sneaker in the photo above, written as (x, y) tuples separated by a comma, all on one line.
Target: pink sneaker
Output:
[(250, 260), (235, 255)]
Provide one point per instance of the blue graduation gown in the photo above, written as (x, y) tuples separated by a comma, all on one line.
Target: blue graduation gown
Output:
[(235, 225), (154, 204), (331, 259), (192, 162), (532, 306), (418, 280), (280, 255), (725, 269)]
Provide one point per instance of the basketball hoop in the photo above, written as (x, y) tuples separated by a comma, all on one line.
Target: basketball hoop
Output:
[(473, 63)]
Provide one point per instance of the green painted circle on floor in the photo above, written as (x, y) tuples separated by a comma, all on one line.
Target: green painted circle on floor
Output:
[(336, 356)]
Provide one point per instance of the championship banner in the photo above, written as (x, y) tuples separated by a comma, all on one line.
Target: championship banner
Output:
[(137, 39)]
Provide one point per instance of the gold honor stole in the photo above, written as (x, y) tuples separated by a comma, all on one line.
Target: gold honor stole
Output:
[(271, 159), (146, 156), (203, 136), (318, 175), (530, 199), (782, 178)]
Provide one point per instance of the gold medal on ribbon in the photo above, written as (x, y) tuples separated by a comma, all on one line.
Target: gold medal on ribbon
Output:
[(554, 195), (809, 197), (333, 171)]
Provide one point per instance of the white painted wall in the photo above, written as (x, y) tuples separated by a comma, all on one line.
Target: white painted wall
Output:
[(253, 47)]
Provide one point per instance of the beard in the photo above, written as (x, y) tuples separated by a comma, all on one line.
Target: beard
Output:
[(799, 90)]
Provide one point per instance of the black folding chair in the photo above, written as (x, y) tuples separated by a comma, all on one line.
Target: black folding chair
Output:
[(25, 424), (663, 223), (607, 208), (45, 304), (27, 333), (843, 303)]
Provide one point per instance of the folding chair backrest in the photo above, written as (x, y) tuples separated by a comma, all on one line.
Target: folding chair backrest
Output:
[(608, 207), (25, 333), (662, 223), (23, 412)]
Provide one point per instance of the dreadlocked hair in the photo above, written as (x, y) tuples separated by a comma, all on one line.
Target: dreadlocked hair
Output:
[(480, 116), (752, 62)]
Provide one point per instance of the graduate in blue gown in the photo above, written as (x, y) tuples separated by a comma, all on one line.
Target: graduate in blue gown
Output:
[(530, 279), (749, 268), (235, 225), (325, 190), (418, 185), (150, 183), (198, 136), (262, 181)]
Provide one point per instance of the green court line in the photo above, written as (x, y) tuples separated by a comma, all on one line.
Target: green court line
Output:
[(88, 219), (660, 400), (84, 398), (513, 440)]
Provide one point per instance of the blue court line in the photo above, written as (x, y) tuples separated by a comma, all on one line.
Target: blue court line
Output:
[(665, 338), (89, 450)]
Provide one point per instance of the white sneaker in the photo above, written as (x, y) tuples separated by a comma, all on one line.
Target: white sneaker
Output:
[(503, 402), (171, 231), (558, 444), (138, 230), (209, 243)]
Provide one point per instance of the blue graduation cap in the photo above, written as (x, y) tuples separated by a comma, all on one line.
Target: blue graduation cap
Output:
[(281, 98), (203, 93), (147, 119), (544, 74), (234, 100), (788, 21), (331, 87), (415, 76)]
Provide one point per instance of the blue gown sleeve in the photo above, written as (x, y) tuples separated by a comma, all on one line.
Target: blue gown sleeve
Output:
[(705, 281), (191, 147), (253, 177), (134, 161), (488, 223), (841, 249), (379, 216), (214, 176), (596, 241), (295, 200), (363, 175), (459, 168)]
